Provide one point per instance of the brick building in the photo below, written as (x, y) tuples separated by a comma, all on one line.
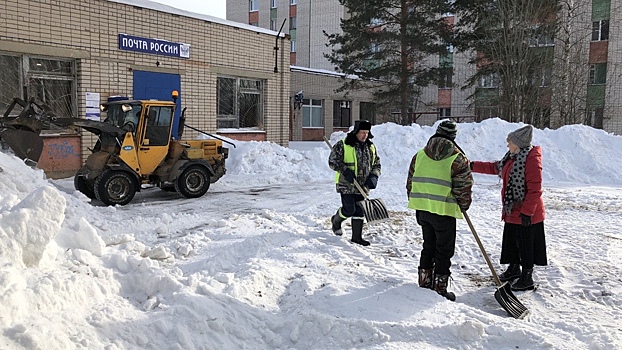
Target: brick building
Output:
[(74, 54)]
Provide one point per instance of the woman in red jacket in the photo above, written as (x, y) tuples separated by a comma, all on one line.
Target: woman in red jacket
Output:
[(523, 209)]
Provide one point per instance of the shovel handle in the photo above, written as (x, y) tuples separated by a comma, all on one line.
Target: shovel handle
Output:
[(481, 247), (356, 183)]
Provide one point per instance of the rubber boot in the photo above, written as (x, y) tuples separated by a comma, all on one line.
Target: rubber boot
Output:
[(425, 278), (357, 232), (440, 286), (524, 282), (511, 273), (336, 221)]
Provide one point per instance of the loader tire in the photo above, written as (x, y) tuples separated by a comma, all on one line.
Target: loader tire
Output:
[(82, 185), (115, 187), (193, 182)]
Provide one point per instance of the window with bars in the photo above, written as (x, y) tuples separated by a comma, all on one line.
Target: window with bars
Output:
[(312, 113), (239, 103), (51, 82)]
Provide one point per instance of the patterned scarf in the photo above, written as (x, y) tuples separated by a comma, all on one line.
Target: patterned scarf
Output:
[(515, 190)]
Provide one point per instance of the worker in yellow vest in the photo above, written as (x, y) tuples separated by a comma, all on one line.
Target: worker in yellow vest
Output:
[(439, 187), (354, 158)]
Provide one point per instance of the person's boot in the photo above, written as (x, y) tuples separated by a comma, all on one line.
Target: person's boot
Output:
[(524, 282), (511, 273), (425, 278), (357, 232), (336, 221), (440, 286)]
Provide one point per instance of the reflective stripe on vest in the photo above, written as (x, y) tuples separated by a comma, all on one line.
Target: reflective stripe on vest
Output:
[(349, 158), (431, 186)]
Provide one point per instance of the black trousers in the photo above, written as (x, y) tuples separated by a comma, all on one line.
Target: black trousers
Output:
[(349, 207), (439, 241), (524, 245)]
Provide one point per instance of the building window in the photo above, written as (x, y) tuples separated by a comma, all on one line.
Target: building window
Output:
[(292, 46), (595, 117), (253, 5), (598, 73), (444, 113), (273, 3), (489, 81), (292, 23), (446, 79), (256, 24), (600, 30), (49, 81), (239, 103), (292, 2), (341, 114), (367, 111), (273, 24), (312, 113)]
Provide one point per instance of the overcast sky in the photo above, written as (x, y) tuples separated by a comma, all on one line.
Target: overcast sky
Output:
[(214, 8)]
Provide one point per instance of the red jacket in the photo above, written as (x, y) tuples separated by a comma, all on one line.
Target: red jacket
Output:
[(532, 205)]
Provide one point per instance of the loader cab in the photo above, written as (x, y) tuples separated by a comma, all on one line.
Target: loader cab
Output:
[(154, 134)]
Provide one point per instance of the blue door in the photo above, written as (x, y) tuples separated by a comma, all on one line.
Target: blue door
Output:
[(159, 86)]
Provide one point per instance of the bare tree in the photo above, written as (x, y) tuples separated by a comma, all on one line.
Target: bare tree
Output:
[(513, 42)]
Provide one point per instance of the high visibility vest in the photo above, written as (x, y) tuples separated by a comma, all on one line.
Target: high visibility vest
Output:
[(431, 186), (349, 158)]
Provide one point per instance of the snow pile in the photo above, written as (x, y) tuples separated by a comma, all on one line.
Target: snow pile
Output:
[(252, 264)]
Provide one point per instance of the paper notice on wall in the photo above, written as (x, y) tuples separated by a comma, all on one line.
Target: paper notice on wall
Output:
[(92, 106)]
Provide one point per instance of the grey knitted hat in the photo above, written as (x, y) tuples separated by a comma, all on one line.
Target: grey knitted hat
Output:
[(447, 129), (522, 137)]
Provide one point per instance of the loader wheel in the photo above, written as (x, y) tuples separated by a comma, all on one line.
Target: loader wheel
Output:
[(115, 187), (81, 184), (193, 182)]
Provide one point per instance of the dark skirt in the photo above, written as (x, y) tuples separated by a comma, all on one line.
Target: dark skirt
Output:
[(523, 244)]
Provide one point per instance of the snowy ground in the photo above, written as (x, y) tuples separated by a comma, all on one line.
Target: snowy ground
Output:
[(254, 265)]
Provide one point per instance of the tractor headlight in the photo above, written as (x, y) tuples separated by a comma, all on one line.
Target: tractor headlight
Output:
[(126, 108)]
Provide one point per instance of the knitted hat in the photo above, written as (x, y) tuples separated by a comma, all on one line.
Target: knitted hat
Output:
[(361, 125), (521, 137), (447, 129)]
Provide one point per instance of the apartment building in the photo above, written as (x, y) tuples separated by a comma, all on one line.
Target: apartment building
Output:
[(322, 109), (585, 85)]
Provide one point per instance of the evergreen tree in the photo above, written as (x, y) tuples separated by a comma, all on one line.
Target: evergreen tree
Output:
[(391, 45)]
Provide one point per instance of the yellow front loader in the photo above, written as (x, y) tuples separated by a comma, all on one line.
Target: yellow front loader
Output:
[(135, 148)]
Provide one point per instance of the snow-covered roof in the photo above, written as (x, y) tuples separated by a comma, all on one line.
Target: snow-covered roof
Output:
[(172, 10), (322, 72)]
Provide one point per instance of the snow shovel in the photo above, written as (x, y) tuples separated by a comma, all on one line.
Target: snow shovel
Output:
[(374, 209), (504, 294)]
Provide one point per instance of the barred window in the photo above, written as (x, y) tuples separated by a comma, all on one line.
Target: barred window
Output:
[(239, 103), (51, 82)]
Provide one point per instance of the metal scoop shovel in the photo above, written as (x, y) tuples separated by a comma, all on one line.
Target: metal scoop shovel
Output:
[(508, 301)]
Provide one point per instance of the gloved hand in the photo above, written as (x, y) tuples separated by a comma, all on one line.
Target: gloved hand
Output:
[(525, 220), (372, 181), (348, 175), (471, 165)]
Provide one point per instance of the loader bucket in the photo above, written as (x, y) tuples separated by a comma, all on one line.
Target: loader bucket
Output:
[(26, 145)]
